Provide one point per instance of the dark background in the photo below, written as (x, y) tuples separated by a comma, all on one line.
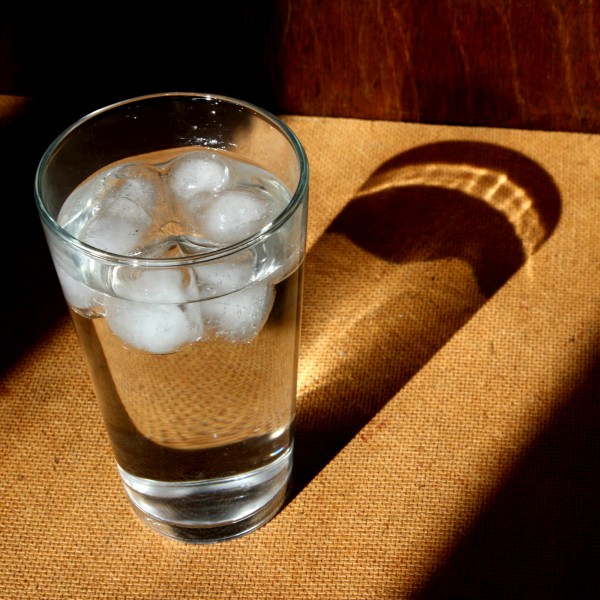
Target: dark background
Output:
[(505, 63)]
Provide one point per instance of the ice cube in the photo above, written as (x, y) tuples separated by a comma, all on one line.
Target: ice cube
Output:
[(78, 207), (239, 317), (168, 286), (227, 275), (139, 183), (154, 328), (115, 211), (120, 227), (197, 172), (75, 272), (78, 295), (235, 215), (151, 312)]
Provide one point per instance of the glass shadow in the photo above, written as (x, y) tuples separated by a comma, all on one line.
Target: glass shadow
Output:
[(428, 239)]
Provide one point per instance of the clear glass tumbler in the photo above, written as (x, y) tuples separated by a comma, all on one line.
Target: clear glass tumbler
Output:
[(177, 227)]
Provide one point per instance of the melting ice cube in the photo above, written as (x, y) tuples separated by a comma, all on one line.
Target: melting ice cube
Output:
[(197, 172), (141, 184), (155, 328), (151, 313), (119, 227), (168, 286), (234, 215), (78, 207), (226, 275), (119, 209), (239, 317), (78, 295)]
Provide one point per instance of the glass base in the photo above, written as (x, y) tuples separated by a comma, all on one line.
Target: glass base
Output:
[(216, 510)]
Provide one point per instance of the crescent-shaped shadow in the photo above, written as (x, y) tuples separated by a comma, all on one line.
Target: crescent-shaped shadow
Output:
[(428, 239)]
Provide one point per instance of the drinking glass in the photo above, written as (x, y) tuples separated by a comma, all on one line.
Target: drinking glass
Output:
[(177, 227)]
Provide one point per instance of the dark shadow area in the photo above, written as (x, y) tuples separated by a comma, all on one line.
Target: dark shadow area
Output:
[(539, 536), (32, 301), (430, 237), (449, 223), (82, 62)]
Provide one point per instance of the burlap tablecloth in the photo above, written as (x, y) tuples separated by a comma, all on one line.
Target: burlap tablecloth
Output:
[(448, 416)]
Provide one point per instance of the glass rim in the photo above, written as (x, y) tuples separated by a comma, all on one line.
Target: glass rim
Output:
[(209, 255)]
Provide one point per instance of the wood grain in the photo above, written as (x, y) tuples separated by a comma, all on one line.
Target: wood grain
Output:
[(505, 63)]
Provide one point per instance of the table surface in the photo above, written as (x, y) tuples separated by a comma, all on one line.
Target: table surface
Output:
[(448, 420)]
